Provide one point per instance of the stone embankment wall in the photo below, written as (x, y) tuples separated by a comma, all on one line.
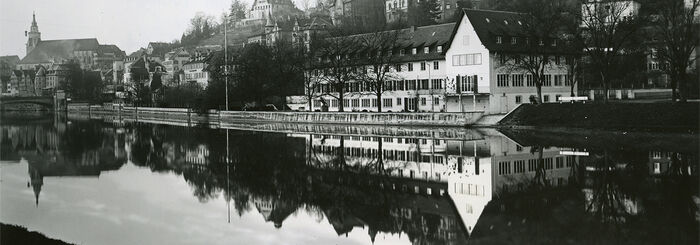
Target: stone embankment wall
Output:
[(360, 118)]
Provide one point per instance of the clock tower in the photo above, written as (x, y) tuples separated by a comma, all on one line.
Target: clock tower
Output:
[(34, 36)]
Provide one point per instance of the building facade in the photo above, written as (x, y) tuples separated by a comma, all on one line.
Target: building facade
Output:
[(452, 67)]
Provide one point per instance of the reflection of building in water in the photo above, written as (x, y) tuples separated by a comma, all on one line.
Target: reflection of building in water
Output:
[(273, 210), (471, 172), (48, 153)]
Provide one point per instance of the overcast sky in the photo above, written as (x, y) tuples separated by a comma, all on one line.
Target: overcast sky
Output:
[(130, 24)]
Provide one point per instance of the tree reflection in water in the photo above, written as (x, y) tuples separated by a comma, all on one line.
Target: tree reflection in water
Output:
[(392, 185)]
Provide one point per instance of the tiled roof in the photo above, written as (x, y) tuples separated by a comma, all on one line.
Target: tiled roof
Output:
[(111, 48), (491, 24), (63, 49), (409, 38)]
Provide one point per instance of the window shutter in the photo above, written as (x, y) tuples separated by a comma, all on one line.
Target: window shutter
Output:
[(459, 89), (475, 85)]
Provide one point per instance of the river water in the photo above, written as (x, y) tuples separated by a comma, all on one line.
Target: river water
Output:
[(104, 181)]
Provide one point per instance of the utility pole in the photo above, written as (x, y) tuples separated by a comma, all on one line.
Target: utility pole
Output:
[(226, 58)]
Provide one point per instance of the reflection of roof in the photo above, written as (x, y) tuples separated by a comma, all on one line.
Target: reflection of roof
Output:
[(63, 49)]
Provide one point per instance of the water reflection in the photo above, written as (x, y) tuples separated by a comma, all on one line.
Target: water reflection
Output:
[(432, 190)]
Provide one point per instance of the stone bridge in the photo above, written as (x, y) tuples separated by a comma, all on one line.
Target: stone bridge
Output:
[(44, 101)]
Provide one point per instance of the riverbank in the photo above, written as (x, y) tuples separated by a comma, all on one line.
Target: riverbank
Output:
[(651, 117), (436, 119), (12, 234)]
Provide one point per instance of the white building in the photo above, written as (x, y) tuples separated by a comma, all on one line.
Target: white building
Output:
[(454, 67), (609, 11), (195, 71)]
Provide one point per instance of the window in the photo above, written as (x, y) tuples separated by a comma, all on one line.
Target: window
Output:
[(398, 101), (426, 50), (398, 68), (518, 80), (502, 80), (439, 47), (558, 80), (554, 42), (436, 65), (436, 84), (547, 81), (499, 39), (513, 40), (422, 66), (567, 81), (466, 59), (423, 101), (529, 81), (402, 52), (356, 103), (410, 66), (387, 103), (465, 40), (546, 98), (414, 51), (503, 168), (518, 99), (559, 162), (557, 60), (436, 101), (519, 166), (424, 84)]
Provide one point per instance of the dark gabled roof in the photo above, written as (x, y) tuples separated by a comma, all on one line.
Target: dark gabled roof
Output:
[(111, 48), (491, 24), (46, 50), (140, 63), (22, 73)]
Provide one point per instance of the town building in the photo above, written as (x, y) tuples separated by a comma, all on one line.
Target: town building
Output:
[(174, 61), (263, 9), (195, 70), (397, 10), (88, 52), (452, 67), (359, 13), (7, 65)]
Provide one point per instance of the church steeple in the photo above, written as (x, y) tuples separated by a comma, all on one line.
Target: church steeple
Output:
[(34, 36)]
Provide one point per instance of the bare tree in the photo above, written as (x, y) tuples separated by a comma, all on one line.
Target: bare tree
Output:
[(540, 24), (677, 32), (337, 67), (379, 46), (609, 28)]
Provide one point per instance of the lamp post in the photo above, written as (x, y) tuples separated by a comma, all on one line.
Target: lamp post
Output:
[(226, 59)]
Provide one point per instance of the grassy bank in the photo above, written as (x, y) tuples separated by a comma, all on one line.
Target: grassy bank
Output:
[(658, 117), (12, 234)]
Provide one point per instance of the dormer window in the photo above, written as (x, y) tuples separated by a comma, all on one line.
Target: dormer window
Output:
[(414, 51), (402, 52), (439, 48), (499, 39), (513, 40), (426, 50)]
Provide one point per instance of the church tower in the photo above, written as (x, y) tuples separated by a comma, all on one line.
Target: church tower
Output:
[(34, 35)]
